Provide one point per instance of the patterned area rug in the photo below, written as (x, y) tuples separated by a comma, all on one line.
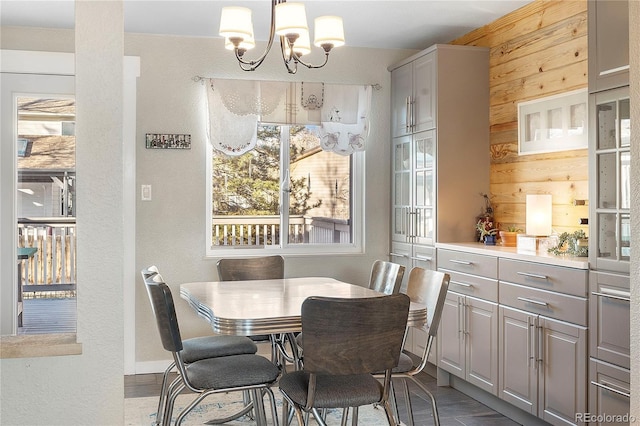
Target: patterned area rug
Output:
[(142, 411)]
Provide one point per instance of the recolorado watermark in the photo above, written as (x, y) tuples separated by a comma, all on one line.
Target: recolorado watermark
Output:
[(604, 418)]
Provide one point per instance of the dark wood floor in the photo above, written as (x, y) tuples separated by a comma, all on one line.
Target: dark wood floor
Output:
[(455, 408)]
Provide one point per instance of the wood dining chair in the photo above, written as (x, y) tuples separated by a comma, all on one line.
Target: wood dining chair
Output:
[(220, 374), (428, 288), (345, 340)]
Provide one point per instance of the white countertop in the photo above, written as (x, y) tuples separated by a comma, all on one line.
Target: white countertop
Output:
[(513, 253)]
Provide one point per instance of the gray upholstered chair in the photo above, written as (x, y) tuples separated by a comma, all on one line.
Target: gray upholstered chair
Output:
[(255, 268), (217, 374), (199, 348), (251, 268), (428, 288), (345, 340), (386, 277)]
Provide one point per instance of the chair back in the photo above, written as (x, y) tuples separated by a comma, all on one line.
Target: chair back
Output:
[(429, 288), (353, 336), (150, 271), (164, 311), (252, 268), (386, 277)]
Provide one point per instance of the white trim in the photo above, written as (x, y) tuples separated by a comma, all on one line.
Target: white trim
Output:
[(59, 63), (129, 110), (34, 62), (151, 367), (358, 203)]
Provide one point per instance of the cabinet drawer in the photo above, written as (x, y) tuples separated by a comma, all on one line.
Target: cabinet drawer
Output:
[(473, 285), (469, 263), (550, 304), (609, 390), (547, 277)]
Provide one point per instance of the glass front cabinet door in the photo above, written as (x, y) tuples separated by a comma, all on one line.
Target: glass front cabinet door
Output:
[(414, 188), (610, 197)]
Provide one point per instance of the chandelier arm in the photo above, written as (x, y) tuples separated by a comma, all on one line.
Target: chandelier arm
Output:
[(254, 64), (312, 66)]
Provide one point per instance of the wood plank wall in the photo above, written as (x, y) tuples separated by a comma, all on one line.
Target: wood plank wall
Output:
[(536, 51)]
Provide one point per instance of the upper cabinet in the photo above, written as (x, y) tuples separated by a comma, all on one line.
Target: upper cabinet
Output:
[(610, 185), (440, 144), (412, 96), (608, 44)]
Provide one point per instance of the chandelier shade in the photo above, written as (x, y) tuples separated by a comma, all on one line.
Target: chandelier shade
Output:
[(291, 19), (236, 22), (329, 30), (289, 23)]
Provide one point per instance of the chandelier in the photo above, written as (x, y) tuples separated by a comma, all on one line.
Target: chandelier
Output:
[(289, 22)]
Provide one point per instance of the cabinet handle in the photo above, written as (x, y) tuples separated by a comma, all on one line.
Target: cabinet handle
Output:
[(530, 275), (422, 259), (535, 302), (465, 318), (611, 296), (530, 357), (397, 254), (539, 341), (411, 120), (460, 330), (613, 70), (460, 283), (461, 262), (407, 121), (609, 388)]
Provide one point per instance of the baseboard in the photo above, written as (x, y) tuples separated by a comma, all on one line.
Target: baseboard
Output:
[(151, 367)]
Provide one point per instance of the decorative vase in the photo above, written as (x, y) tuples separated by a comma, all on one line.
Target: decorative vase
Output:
[(509, 239), (490, 240)]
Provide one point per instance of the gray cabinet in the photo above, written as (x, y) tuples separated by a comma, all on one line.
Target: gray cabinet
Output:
[(542, 365), (440, 143), (610, 306), (608, 44), (410, 255), (468, 334), (543, 339), (609, 209), (413, 100), (609, 393), (610, 193)]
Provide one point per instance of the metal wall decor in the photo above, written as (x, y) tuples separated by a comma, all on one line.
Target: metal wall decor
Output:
[(167, 141)]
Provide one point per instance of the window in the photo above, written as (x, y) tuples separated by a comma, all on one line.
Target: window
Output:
[(323, 192)]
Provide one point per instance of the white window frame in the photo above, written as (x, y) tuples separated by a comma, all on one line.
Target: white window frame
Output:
[(357, 215)]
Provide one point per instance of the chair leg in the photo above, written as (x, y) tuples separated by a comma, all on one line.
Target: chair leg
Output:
[(389, 412), (407, 402), (318, 416), (434, 407), (163, 393), (174, 390)]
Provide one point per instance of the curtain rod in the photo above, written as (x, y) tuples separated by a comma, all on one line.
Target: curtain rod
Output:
[(199, 78)]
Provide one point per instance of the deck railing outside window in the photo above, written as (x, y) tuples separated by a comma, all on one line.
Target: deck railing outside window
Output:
[(265, 230), (53, 267)]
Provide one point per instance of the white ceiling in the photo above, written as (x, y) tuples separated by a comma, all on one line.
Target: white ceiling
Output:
[(385, 24)]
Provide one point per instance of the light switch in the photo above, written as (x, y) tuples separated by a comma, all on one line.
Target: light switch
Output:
[(146, 193)]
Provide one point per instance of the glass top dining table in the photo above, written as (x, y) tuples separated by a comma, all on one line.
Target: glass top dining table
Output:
[(271, 306)]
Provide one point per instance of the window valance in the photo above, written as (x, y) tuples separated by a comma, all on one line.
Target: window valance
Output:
[(237, 106)]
